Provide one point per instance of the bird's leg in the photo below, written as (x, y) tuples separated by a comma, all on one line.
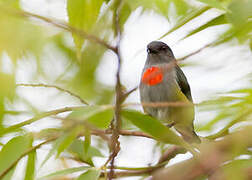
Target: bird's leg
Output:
[(170, 124)]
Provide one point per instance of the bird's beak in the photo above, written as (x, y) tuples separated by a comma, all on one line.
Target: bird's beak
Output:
[(151, 51)]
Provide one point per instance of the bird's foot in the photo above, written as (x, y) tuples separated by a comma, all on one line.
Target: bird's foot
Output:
[(170, 125)]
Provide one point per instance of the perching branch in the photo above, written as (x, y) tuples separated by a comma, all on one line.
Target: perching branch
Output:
[(213, 155), (56, 87)]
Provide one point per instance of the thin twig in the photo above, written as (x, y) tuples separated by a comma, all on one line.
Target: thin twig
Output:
[(125, 95), (38, 117), (130, 133), (195, 52), (160, 104), (56, 87), (62, 25), (169, 154), (24, 154)]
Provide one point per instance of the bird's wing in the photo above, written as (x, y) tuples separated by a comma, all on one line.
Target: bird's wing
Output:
[(183, 84)]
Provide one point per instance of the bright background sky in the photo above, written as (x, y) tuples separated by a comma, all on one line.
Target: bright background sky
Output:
[(213, 70)]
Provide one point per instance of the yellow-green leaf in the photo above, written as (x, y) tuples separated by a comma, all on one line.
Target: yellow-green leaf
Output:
[(152, 126), (82, 14), (13, 150), (92, 174)]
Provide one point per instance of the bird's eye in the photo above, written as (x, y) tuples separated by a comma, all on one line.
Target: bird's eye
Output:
[(162, 48)]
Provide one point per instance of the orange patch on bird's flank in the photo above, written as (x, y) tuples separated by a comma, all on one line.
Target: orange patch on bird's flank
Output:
[(152, 76)]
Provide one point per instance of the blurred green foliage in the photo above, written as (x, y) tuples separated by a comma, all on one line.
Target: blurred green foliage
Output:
[(22, 36)]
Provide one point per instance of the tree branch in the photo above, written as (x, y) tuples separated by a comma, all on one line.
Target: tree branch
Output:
[(212, 156), (195, 52), (167, 156), (62, 25), (56, 87), (116, 124)]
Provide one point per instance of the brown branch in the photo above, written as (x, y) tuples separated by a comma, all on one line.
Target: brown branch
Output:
[(161, 104), (129, 133), (125, 95), (167, 156), (24, 154), (212, 156), (195, 52), (62, 25), (56, 87), (171, 153), (116, 124)]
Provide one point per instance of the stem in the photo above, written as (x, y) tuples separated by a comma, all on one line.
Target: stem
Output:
[(56, 87), (115, 144)]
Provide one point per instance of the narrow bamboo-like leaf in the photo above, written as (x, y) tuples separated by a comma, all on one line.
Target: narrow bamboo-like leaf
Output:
[(64, 172), (92, 174), (216, 21), (99, 116), (213, 3), (82, 14), (69, 138), (192, 15), (84, 154), (30, 166), (152, 126), (13, 150), (87, 141), (53, 149)]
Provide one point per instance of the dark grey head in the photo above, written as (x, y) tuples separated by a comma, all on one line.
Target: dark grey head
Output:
[(159, 52)]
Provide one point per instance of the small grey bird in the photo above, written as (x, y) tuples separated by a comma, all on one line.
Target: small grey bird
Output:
[(163, 81)]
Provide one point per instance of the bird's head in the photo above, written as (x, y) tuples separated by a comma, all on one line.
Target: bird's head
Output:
[(159, 52)]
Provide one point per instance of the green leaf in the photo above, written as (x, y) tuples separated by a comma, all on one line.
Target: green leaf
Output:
[(30, 166), (236, 169), (194, 14), (64, 172), (7, 90), (62, 143), (124, 13), (160, 6), (13, 150), (10, 3), (82, 14), (78, 149), (152, 126), (213, 3), (99, 116), (69, 138), (92, 174), (54, 148), (215, 21), (19, 36)]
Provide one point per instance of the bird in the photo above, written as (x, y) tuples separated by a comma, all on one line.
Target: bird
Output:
[(163, 81)]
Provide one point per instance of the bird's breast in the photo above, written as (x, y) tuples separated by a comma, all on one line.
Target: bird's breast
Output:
[(152, 76)]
